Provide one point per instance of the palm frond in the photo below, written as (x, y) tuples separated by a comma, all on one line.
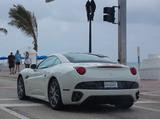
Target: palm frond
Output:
[(25, 21)]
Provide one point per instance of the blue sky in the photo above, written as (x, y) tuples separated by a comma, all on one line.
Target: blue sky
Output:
[(63, 27)]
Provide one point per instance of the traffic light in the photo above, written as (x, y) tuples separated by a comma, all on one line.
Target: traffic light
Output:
[(109, 14), (90, 9)]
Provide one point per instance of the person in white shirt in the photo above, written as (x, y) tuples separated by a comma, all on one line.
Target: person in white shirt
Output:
[(27, 60)]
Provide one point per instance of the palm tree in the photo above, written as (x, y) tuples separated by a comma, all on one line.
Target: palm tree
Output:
[(25, 21), (3, 30)]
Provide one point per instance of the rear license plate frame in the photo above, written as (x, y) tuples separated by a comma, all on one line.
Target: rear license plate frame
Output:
[(110, 84)]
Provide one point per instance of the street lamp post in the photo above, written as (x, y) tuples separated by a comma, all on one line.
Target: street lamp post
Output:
[(90, 9)]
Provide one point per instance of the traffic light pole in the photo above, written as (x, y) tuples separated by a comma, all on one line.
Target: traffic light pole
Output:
[(122, 28)]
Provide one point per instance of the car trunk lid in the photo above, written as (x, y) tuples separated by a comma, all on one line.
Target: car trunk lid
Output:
[(105, 71)]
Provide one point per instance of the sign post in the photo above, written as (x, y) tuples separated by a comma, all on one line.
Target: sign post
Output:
[(138, 56), (90, 9)]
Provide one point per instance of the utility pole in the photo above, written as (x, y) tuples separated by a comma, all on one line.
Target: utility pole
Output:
[(122, 35)]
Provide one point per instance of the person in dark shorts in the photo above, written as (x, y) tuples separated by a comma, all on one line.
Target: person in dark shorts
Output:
[(11, 63), (18, 61)]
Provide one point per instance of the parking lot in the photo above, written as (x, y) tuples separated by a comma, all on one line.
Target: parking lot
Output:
[(148, 107)]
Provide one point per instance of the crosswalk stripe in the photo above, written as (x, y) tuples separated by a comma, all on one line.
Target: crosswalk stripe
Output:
[(8, 99), (7, 87), (147, 108), (146, 102), (14, 113), (20, 105), (148, 94)]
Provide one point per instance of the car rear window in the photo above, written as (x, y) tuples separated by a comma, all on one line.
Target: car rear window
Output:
[(82, 58)]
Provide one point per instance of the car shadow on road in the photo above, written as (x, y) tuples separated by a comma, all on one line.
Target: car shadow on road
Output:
[(99, 109), (93, 109)]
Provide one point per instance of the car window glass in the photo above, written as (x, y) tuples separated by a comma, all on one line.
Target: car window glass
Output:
[(84, 58), (50, 61)]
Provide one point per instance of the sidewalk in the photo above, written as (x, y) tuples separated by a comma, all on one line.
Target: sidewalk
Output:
[(4, 71), (7, 74)]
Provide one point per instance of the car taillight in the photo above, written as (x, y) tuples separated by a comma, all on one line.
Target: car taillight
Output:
[(133, 70), (80, 70)]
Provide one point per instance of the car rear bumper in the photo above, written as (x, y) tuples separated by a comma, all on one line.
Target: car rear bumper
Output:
[(99, 96)]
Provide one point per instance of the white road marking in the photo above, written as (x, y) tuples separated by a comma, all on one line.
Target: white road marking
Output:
[(14, 113), (149, 94), (146, 102), (7, 87), (8, 99), (147, 108), (4, 108), (20, 105), (155, 91)]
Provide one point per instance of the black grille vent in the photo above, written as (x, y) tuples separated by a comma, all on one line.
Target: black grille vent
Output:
[(94, 85)]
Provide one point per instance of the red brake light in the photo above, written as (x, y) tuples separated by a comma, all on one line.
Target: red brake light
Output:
[(80, 70), (133, 70)]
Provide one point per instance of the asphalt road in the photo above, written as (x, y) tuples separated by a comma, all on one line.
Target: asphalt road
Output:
[(148, 107)]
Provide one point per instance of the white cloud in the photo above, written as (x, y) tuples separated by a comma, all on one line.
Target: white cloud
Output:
[(63, 27)]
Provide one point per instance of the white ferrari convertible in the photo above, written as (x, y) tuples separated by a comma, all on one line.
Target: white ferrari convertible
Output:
[(77, 78)]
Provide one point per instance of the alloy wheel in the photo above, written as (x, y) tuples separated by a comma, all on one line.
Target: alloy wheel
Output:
[(54, 94), (21, 89)]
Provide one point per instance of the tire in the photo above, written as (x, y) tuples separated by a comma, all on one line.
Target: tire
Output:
[(124, 104), (54, 95), (21, 88)]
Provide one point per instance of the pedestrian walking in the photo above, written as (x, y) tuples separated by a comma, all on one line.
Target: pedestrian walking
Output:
[(11, 63), (27, 60), (18, 61)]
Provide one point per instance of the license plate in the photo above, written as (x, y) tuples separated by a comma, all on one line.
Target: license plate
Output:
[(110, 85)]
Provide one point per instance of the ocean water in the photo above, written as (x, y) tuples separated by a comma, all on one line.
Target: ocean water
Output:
[(132, 64)]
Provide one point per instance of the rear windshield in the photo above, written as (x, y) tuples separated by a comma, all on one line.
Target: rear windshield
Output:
[(80, 58)]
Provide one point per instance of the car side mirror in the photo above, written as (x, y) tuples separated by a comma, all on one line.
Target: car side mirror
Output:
[(33, 66)]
